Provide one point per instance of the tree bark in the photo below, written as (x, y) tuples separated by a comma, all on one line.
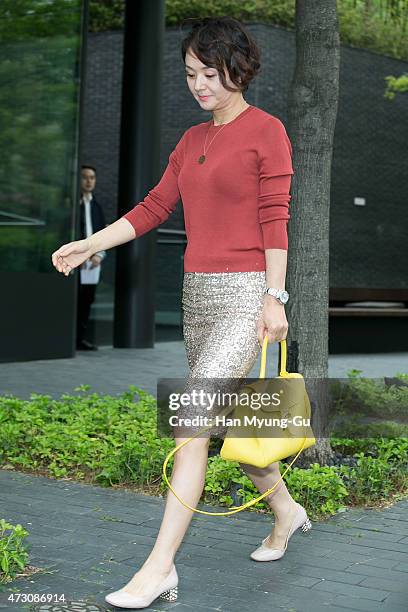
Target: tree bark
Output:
[(312, 112)]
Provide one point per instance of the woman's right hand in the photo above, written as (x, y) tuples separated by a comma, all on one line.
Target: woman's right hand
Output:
[(71, 255)]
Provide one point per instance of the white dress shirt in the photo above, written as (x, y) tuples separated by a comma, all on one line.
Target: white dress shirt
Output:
[(90, 276)]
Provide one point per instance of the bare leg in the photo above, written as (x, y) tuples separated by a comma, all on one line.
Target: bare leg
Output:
[(280, 500), (221, 342), (188, 477)]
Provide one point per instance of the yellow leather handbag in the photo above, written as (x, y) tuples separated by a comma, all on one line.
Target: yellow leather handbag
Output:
[(274, 431)]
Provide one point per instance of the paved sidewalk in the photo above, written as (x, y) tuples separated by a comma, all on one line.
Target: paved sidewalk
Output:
[(91, 540), (111, 371)]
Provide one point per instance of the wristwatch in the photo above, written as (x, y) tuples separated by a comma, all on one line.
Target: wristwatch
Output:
[(280, 294)]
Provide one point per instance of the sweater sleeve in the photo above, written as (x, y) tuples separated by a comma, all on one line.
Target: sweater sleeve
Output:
[(160, 201), (275, 175)]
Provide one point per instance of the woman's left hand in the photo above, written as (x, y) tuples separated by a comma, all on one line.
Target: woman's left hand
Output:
[(272, 321)]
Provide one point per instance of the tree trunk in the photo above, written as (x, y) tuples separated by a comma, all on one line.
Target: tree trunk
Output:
[(312, 112)]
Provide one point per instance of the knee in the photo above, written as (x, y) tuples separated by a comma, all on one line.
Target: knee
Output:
[(253, 470), (271, 469), (198, 447)]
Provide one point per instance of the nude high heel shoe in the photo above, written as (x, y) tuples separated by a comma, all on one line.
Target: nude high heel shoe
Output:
[(166, 590), (265, 553)]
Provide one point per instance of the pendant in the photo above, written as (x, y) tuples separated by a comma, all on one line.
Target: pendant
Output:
[(201, 159)]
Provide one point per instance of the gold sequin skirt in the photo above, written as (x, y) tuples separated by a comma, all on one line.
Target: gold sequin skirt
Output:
[(220, 312)]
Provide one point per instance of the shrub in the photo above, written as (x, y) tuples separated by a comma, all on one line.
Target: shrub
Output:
[(374, 25), (13, 553)]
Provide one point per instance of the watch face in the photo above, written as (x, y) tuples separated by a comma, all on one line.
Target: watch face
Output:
[(284, 296)]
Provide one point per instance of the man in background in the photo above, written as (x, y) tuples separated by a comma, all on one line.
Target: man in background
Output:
[(92, 219)]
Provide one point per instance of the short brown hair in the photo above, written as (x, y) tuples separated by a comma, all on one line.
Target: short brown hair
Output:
[(223, 41)]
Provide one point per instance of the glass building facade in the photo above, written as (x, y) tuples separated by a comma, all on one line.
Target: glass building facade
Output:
[(40, 63), (39, 112)]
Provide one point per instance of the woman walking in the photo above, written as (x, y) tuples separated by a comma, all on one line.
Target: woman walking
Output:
[(233, 173)]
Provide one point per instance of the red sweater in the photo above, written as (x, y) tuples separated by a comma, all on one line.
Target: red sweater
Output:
[(236, 204)]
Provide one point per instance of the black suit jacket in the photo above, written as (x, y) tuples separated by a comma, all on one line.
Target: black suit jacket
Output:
[(97, 217)]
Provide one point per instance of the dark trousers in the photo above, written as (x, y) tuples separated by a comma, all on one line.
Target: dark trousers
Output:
[(86, 295)]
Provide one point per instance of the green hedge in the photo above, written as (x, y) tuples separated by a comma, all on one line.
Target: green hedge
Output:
[(377, 25), (112, 441), (13, 552)]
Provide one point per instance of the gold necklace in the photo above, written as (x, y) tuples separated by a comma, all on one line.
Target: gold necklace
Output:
[(202, 158)]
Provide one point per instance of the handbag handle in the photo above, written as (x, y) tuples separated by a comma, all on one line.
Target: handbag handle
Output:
[(251, 502), (283, 356)]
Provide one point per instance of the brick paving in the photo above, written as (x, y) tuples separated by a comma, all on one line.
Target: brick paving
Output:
[(90, 540)]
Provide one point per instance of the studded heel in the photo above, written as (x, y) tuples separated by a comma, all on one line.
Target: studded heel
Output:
[(170, 595)]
